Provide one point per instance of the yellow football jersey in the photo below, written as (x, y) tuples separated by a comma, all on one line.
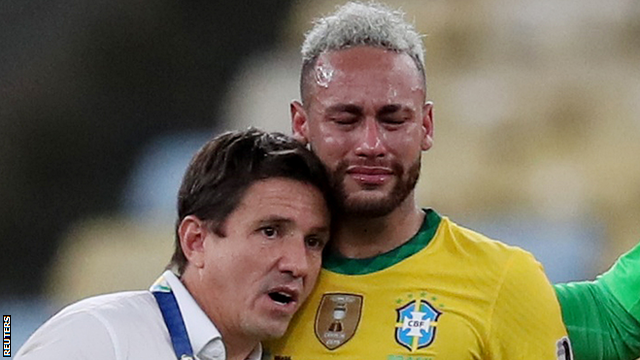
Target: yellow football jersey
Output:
[(448, 293)]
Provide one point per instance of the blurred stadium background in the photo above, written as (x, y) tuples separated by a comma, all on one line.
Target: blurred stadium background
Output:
[(102, 103)]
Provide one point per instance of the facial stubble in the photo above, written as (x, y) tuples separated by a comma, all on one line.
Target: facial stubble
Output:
[(373, 208)]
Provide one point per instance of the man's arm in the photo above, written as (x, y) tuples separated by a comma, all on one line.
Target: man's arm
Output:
[(603, 316), (526, 319)]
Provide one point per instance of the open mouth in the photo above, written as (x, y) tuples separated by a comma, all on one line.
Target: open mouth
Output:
[(282, 297)]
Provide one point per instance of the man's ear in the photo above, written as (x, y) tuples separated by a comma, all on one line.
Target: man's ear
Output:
[(427, 124), (193, 232), (299, 122)]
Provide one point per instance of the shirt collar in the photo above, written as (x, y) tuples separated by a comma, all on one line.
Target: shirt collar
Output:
[(203, 333), (256, 354)]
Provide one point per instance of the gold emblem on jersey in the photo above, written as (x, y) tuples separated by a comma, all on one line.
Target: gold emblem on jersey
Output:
[(337, 319)]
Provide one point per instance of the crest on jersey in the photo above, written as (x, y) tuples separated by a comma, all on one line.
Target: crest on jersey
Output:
[(337, 319), (416, 324)]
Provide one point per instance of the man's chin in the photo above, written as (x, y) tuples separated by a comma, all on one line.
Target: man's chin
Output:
[(368, 207), (271, 331), (276, 332), (357, 199)]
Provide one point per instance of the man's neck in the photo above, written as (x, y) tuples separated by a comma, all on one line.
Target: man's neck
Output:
[(236, 347), (359, 237)]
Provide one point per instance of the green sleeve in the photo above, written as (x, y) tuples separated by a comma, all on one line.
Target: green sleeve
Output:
[(623, 280), (602, 316)]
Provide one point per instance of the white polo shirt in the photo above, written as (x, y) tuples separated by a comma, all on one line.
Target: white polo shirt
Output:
[(125, 325)]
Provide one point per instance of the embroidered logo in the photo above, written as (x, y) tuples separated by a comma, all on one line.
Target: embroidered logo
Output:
[(337, 319), (416, 324)]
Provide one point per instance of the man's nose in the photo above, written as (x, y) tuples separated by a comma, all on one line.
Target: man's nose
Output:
[(371, 143), (294, 258)]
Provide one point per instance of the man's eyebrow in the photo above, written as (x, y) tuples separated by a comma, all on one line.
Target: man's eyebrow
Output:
[(349, 108), (275, 219), (281, 220)]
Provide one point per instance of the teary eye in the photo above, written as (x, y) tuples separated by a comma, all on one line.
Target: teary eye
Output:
[(393, 120), (344, 119)]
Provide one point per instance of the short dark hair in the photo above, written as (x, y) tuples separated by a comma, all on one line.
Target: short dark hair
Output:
[(224, 168)]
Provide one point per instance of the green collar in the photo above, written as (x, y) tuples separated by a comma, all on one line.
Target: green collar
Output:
[(342, 265)]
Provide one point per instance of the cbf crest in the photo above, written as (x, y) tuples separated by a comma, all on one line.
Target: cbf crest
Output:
[(416, 324), (337, 319)]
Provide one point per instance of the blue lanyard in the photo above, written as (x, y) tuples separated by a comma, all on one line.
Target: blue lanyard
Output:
[(173, 319)]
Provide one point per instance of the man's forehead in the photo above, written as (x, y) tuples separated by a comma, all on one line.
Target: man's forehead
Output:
[(282, 197), (352, 79), (364, 67), (364, 57)]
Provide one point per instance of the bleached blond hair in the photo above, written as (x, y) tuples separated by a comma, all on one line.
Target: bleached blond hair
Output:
[(361, 24)]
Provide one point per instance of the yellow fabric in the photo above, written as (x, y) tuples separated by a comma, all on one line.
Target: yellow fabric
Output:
[(495, 303)]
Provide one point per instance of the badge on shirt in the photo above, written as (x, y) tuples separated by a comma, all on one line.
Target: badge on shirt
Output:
[(416, 324), (337, 319)]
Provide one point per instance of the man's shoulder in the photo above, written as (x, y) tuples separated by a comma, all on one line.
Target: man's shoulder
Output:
[(96, 327), (465, 241), (121, 307)]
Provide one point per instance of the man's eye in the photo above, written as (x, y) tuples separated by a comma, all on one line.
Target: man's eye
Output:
[(314, 242), (393, 121), (269, 231), (344, 120)]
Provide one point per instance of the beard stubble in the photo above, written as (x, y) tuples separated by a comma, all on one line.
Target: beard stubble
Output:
[(372, 208)]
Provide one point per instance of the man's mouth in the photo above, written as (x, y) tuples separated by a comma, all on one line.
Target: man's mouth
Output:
[(370, 175), (283, 295)]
